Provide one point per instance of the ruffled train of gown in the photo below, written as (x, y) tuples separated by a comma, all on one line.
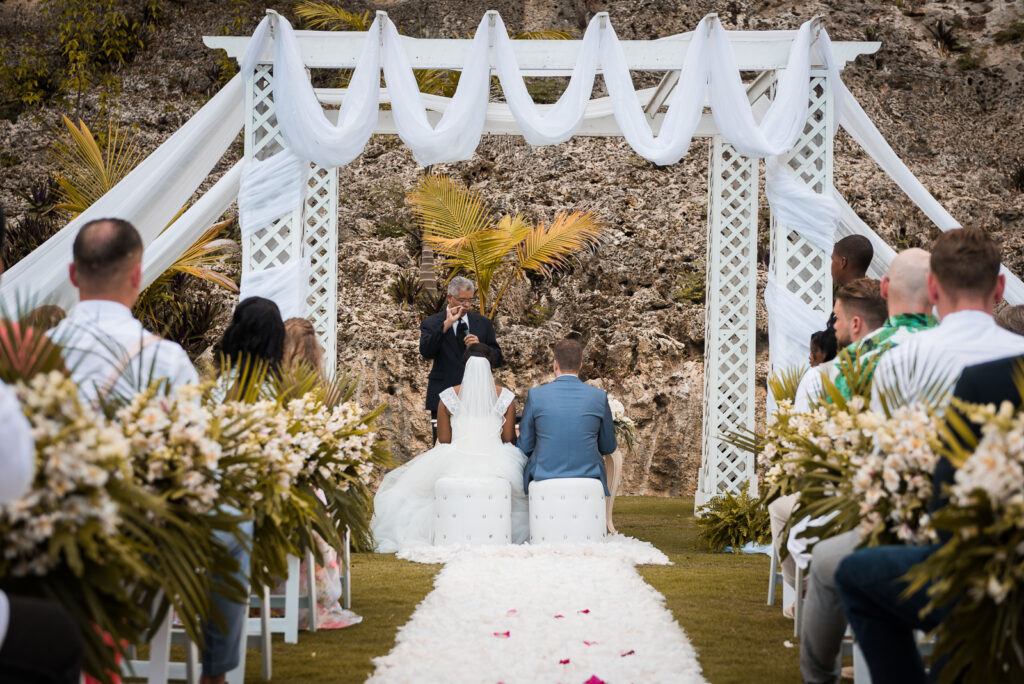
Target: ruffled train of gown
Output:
[(404, 504)]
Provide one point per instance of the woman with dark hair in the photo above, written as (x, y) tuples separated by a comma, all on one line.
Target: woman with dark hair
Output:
[(254, 339), (476, 438)]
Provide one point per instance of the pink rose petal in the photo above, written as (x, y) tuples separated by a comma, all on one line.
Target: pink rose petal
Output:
[(512, 612), (583, 611), (558, 617), (594, 680), (502, 635), (628, 653), (589, 643), (563, 662)]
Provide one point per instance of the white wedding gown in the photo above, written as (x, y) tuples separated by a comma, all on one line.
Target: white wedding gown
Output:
[(404, 504)]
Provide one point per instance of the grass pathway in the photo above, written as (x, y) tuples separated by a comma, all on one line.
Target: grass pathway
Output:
[(718, 599)]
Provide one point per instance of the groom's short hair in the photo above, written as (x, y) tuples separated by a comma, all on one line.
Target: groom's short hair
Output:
[(569, 355)]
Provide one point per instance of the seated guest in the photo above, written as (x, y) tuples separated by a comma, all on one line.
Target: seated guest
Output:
[(823, 348), (851, 257), (871, 581), (859, 311), (905, 288), (301, 348), (105, 347), (39, 642), (253, 342), (108, 351), (964, 285), (1012, 318)]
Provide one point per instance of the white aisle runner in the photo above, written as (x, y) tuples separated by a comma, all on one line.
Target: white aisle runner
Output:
[(524, 614)]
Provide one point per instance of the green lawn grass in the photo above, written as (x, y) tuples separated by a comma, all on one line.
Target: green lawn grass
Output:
[(718, 599)]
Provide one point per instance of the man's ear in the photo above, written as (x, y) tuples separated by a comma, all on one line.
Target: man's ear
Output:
[(71, 274), (883, 287), (136, 276), (933, 288), (856, 326), (1000, 288)]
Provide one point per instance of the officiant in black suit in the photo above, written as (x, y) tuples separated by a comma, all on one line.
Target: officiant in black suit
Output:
[(445, 336)]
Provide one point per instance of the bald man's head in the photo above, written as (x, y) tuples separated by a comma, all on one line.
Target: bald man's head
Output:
[(905, 286), (107, 260)]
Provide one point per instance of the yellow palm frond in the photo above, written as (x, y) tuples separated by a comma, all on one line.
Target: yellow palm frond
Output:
[(86, 172), (548, 249), (451, 215), (784, 383), (548, 34), (324, 16)]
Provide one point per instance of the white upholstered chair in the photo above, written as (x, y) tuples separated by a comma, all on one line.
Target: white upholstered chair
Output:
[(567, 510), (472, 510)]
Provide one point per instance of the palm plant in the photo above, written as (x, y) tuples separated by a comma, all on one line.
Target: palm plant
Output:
[(456, 224), (87, 171), (324, 16)]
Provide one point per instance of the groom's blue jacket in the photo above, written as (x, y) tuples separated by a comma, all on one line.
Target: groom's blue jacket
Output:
[(566, 427)]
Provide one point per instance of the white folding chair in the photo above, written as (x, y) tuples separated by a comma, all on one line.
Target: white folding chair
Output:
[(158, 668), (774, 577)]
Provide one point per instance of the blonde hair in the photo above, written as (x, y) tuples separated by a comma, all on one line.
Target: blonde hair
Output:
[(301, 345)]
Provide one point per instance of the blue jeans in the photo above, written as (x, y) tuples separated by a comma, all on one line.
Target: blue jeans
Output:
[(869, 584), (222, 649)]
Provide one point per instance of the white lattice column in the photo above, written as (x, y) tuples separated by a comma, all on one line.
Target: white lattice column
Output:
[(730, 311), (311, 230), (799, 266)]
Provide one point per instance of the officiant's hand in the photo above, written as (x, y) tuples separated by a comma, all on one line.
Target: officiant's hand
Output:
[(471, 339), (453, 313)]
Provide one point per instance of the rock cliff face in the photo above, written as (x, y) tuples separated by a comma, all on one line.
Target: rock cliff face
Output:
[(955, 120)]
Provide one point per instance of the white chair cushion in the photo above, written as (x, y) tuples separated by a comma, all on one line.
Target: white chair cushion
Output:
[(472, 510), (567, 510)]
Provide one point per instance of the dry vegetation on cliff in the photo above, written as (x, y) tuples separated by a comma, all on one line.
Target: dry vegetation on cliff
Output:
[(949, 101)]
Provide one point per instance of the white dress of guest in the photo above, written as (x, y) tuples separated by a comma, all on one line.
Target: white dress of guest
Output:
[(17, 466), (106, 348), (938, 356), (404, 503)]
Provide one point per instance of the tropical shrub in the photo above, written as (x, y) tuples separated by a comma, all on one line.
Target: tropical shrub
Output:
[(496, 254), (732, 520)]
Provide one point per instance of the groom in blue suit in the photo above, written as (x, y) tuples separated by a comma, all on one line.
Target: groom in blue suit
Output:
[(567, 424)]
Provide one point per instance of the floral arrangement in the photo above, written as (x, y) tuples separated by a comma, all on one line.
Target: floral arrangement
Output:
[(625, 428), (85, 534), (977, 575), (174, 448)]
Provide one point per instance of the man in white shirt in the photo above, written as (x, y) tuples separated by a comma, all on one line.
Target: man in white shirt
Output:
[(105, 347), (110, 353), (38, 640), (964, 285)]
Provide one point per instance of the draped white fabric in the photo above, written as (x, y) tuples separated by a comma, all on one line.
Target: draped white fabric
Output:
[(785, 119), (149, 197), (563, 119), (685, 104), (285, 285), (458, 132), (796, 206), (790, 325), (270, 189)]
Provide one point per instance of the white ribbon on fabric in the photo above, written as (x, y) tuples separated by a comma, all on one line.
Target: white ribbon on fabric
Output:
[(798, 546), (797, 207), (458, 132), (270, 189), (564, 118), (286, 285), (685, 104)]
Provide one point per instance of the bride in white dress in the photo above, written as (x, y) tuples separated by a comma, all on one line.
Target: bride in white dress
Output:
[(476, 438)]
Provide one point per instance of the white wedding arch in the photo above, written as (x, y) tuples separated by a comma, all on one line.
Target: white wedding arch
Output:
[(286, 184)]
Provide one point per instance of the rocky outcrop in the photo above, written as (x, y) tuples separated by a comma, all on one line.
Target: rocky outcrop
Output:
[(956, 124)]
